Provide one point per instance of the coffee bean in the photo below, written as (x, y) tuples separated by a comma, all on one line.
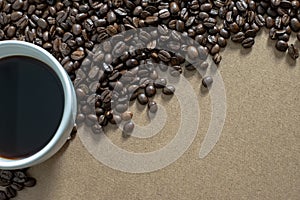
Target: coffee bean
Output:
[(206, 7), (164, 13), (192, 52), (76, 29), (222, 42), (293, 52), (142, 98), (11, 31), (164, 55), (174, 8), (10, 192), (281, 45), (217, 58), (168, 90), (295, 25), (150, 91), (152, 106), (121, 108), (3, 195), (17, 186), (160, 83), (238, 37), (126, 116), (42, 23), (248, 42), (78, 55), (207, 81), (215, 49), (128, 128)]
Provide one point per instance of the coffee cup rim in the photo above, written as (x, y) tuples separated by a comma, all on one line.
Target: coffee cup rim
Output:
[(21, 48)]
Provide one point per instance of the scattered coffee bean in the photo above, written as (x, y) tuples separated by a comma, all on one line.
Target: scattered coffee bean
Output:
[(142, 98), (168, 90), (207, 81), (281, 45), (293, 52), (152, 106), (128, 128), (150, 91)]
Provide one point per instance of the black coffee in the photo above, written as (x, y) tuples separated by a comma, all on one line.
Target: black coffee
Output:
[(31, 106)]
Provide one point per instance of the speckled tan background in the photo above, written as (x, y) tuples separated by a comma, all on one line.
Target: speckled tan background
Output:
[(257, 156)]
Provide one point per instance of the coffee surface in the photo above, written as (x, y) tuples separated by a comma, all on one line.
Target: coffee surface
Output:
[(31, 106)]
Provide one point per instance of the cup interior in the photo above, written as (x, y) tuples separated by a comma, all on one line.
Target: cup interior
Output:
[(19, 48)]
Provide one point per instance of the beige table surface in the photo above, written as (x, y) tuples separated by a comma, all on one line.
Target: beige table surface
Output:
[(256, 157)]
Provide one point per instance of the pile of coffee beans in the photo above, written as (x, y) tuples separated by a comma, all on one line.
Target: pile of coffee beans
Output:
[(12, 181), (107, 71)]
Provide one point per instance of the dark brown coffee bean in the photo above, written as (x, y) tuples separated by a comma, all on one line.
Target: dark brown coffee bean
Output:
[(281, 45), (248, 42), (234, 27), (131, 63), (168, 90), (295, 25), (160, 83), (142, 98), (11, 31), (150, 91), (16, 15), (3, 195), (17, 186), (128, 128), (152, 106), (293, 52), (174, 8), (10, 192), (42, 23), (151, 20), (78, 55), (222, 42), (164, 13), (207, 81), (215, 49), (250, 33), (164, 55), (209, 22), (76, 29), (238, 37), (224, 33), (217, 58), (206, 7)]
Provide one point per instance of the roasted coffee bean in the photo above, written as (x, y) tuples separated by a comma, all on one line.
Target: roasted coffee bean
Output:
[(78, 55), (10, 192), (217, 58), (121, 108), (222, 42), (248, 42), (126, 116), (142, 98), (281, 45), (164, 55), (42, 23), (207, 81), (164, 13), (152, 106), (192, 52), (160, 83), (3, 195), (128, 128), (11, 31), (150, 91), (238, 37), (215, 49), (17, 186), (174, 8), (295, 25), (168, 90), (293, 52)]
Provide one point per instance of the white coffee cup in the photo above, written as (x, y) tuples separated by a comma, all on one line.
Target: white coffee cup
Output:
[(19, 48)]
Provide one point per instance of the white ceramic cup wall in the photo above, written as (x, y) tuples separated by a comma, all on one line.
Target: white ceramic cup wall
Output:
[(19, 48)]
